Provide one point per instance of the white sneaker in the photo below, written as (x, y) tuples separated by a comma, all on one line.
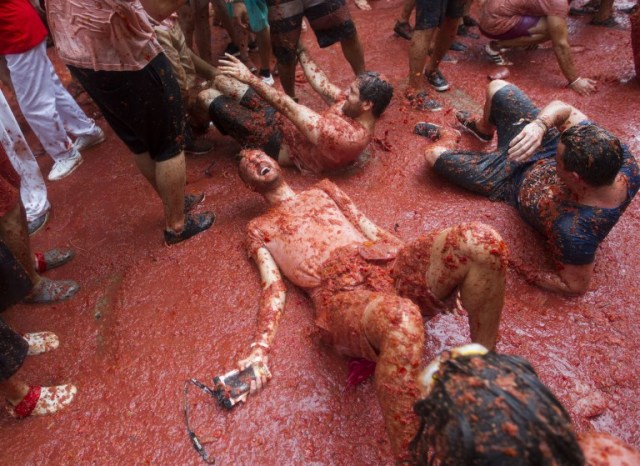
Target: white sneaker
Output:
[(89, 140), (65, 167), (268, 80)]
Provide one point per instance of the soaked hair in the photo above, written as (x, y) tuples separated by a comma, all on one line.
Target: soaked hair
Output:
[(375, 89), (593, 153), (492, 410)]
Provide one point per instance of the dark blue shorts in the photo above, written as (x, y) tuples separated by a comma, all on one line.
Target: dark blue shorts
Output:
[(430, 13), (492, 174)]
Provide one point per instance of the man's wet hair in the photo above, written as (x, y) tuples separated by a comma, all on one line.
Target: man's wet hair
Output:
[(593, 153), (374, 88), (492, 410)]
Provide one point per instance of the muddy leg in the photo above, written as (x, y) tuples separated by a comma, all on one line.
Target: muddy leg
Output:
[(366, 324), (170, 180), (471, 257), (354, 53)]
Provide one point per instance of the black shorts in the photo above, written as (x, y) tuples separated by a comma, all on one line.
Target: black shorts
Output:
[(251, 122), (143, 107), (13, 350), (15, 284), (330, 20), (492, 174), (430, 13)]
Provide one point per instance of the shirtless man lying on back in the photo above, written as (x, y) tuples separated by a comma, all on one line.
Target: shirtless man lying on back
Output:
[(368, 288), (245, 108)]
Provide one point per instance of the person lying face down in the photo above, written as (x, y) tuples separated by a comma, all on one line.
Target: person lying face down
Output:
[(486, 409), (367, 287), (569, 178), (261, 117)]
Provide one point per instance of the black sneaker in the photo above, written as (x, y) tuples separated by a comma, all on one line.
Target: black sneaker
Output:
[(232, 49), (457, 47), (464, 31), (437, 81), (427, 130), (421, 101), (192, 200), (193, 224), (198, 147), (403, 30)]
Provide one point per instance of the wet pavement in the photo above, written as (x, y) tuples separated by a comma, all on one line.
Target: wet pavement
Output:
[(148, 317)]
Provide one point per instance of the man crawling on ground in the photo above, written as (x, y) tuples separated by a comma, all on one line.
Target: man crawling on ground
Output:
[(245, 108), (569, 178), (368, 288)]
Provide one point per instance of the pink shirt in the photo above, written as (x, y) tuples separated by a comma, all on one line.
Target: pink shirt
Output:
[(106, 35), (500, 16)]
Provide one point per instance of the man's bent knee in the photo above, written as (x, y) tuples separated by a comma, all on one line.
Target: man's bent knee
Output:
[(494, 86), (487, 245)]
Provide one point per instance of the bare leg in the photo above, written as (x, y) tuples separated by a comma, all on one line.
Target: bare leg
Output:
[(220, 11), (15, 234), (483, 124), (354, 53), (444, 39), (288, 78), (604, 12), (420, 42), (393, 330), (13, 390), (202, 29), (473, 258), (170, 181), (264, 48), (407, 8), (147, 167), (231, 87), (186, 20)]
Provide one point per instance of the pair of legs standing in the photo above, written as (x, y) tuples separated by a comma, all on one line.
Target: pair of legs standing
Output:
[(50, 110), (145, 109), (330, 21)]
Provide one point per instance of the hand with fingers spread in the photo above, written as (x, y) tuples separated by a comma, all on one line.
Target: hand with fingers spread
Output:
[(233, 67), (583, 86), (527, 141)]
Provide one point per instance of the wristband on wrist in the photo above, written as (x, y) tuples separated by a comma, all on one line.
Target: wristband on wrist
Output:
[(576, 80), (541, 124)]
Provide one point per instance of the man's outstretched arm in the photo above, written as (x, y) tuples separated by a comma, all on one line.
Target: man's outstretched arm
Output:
[(571, 279), (369, 229), (556, 114), (317, 78), (271, 307), (306, 120)]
